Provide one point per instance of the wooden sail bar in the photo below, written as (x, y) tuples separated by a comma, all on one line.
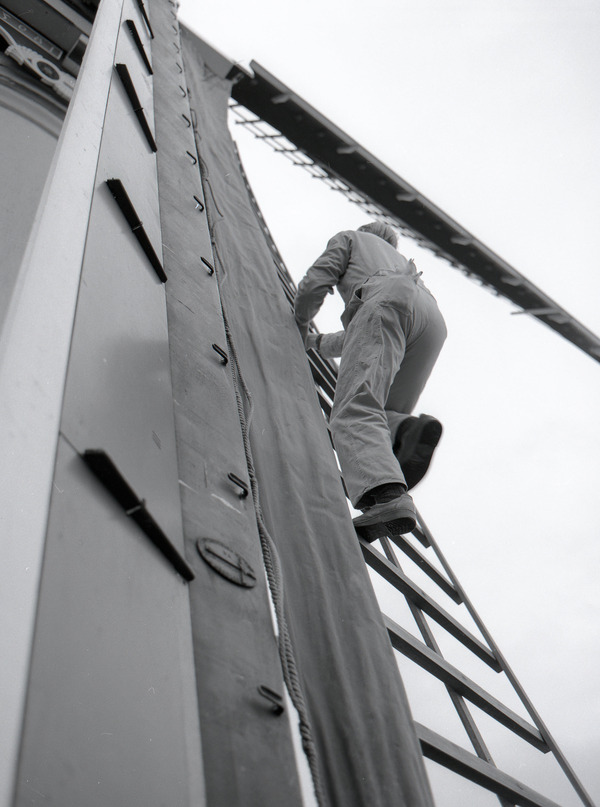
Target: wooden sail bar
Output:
[(348, 167)]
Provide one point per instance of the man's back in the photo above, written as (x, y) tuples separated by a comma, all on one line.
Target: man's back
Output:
[(350, 258), (368, 255)]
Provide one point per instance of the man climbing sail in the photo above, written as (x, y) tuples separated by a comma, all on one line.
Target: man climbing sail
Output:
[(393, 334)]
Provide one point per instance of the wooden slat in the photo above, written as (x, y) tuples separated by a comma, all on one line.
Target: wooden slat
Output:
[(462, 708), (452, 756), (319, 378), (552, 745), (35, 340), (248, 751), (427, 567), (418, 652), (325, 406), (420, 535), (397, 579), (328, 372)]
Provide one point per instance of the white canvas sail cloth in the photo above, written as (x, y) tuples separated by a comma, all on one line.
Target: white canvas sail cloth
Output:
[(362, 731)]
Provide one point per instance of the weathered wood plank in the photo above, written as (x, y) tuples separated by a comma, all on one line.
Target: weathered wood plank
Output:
[(34, 351), (109, 717), (435, 664), (426, 567), (247, 749), (397, 579), (452, 756)]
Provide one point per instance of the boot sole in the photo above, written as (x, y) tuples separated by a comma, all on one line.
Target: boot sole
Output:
[(398, 526)]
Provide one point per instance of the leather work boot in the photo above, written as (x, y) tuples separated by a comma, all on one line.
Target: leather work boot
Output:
[(395, 517), (415, 443)]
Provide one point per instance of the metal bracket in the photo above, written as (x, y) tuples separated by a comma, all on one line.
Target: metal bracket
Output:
[(138, 43), (274, 698), (209, 267), (104, 469), (137, 228), (240, 483), (222, 354), (144, 14), (127, 82)]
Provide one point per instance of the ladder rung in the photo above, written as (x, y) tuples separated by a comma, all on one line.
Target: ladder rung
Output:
[(319, 378), (435, 664), (452, 756), (325, 405), (420, 535), (412, 592), (327, 372), (426, 567)]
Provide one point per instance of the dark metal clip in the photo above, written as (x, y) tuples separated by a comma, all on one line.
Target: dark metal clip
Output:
[(144, 14), (222, 354), (274, 699), (135, 103), (127, 209), (209, 267), (240, 483), (191, 156), (104, 469), (138, 43)]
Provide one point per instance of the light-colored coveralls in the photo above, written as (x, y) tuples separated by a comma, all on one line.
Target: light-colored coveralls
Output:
[(393, 334)]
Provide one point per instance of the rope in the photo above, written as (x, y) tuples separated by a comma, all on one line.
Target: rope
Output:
[(275, 579), (269, 550)]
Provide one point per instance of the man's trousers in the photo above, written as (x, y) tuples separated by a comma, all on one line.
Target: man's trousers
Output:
[(394, 334)]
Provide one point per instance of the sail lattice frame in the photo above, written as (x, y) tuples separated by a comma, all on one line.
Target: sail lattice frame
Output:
[(272, 112)]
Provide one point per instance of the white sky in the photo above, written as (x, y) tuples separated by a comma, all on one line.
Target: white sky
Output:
[(491, 110)]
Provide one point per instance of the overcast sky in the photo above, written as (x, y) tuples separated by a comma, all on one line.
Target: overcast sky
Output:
[(491, 110)]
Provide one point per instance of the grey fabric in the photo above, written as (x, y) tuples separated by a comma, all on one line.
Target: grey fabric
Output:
[(393, 338), (248, 757), (348, 260), (332, 344), (361, 723)]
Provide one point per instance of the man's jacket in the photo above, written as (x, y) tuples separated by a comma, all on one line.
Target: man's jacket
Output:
[(350, 258)]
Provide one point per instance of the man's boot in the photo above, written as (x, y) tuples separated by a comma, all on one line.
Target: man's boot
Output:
[(415, 443), (390, 512)]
